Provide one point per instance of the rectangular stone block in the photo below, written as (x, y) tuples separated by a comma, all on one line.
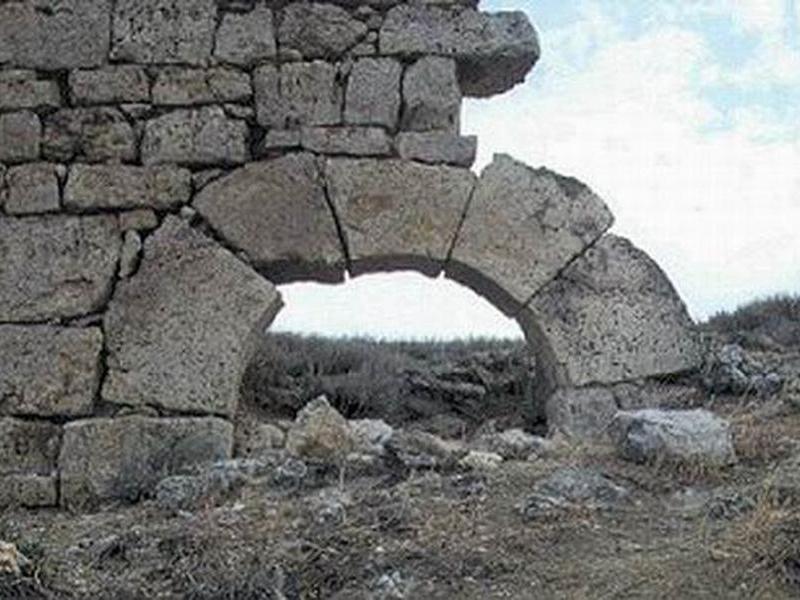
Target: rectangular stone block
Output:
[(56, 267), (32, 189), (124, 458), (121, 186), (431, 96), (350, 141), (245, 39), (373, 93), (28, 447), (23, 89), (438, 147), (49, 371), (90, 134), (20, 134), (109, 85), (28, 491), (177, 86)]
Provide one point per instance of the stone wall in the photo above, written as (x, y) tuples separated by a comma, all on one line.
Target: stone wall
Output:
[(164, 163)]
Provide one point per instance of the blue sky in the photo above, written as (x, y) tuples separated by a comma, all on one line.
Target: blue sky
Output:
[(684, 115)]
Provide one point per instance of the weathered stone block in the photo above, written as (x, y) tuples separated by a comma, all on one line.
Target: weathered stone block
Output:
[(28, 447), (181, 331), (438, 147), (317, 30), (431, 96), (142, 219), (54, 34), (32, 188), (523, 226), (124, 458), (397, 214), (204, 136), (373, 93), (298, 94), (351, 141), (22, 89), (49, 371), (91, 134), (120, 186), (583, 414), (494, 51), (109, 85), (286, 198), (20, 135), (180, 86), (28, 491), (246, 39), (163, 31), (612, 315), (130, 254), (54, 267)]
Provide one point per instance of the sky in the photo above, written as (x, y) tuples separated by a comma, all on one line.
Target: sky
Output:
[(683, 115)]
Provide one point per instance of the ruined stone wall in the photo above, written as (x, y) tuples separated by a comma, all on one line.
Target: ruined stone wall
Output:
[(164, 163)]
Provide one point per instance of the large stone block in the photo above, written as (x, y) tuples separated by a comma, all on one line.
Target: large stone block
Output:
[(109, 85), (373, 93), (32, 188), (50, 35), (276, 212), (180, 86), (163, 31), (124, 458), (583, 413), (612, 315), (23, 89), (297, 94), (317, 30), (49, 371), (431, 96), (438, 147), (20, 135), (246, 39), (28, 490), (56, 267), (206, 136), (397, 214), (28, 447), (348, 141), (522, 228), (91, 134), (494, 51), (92, 187), (181, 331)]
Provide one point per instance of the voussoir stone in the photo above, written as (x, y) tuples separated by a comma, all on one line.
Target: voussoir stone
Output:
[(109, 85), (523, 226), (397, 214), (318, 30), (49, 371), (56, 267), (373, 93), (180, 332), (50, 35), (20, 134), (164, 31), (276, 212), (32, 188), (94, 134), (23, 89), (494, 51), (124, 458), (180, 86), (613, 316), (204, 136), (245, 39), (161, 187)]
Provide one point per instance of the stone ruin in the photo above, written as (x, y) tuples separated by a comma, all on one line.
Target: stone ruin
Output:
[(165, 163)]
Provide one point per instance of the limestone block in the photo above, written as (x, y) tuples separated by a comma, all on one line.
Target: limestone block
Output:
[(54, 267), (246, 39), (397, 214), (431, 96), (613, 315), (109, 85), (181, 331), (124, 458), (91, 134), (32, 188), (20, 134), (141, 219), (50, 35), (523, 226), (276, 212), (180, 86), (28, 490), (163, 31), (352, 141), (318, 30), (205, 136), (438, 147), (279, 139), (582, 413), (373, 93), (307, 93), (494, 51), (121, 186), (49, 371), (22, 89), (28, 447)]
